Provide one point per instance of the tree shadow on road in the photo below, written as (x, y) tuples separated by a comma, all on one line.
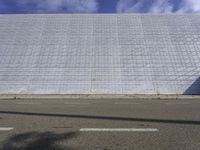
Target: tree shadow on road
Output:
[(37, 141)]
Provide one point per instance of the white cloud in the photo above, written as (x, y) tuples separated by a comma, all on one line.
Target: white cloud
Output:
[(190, 6), (158, 6), (45, 6), (86, 6), (161, 6), (125, 6)]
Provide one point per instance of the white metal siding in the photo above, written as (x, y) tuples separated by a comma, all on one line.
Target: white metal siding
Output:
[(100, 54)]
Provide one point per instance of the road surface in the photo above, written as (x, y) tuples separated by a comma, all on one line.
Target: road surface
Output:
[(100, 124)]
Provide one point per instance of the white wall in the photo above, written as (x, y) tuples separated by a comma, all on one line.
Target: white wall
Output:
[(99, 54)]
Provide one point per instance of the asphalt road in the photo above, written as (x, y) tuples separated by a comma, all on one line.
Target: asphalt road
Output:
[(100, 124)]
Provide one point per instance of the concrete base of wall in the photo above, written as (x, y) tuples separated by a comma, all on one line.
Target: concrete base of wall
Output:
[(94, 96)]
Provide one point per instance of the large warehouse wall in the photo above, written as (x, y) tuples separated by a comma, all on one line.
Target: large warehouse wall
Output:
[(100, 54)]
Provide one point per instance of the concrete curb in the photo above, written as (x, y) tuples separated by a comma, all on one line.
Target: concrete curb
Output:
[(95, 96)]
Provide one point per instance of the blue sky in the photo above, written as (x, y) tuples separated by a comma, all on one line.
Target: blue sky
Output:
[(99, 6)]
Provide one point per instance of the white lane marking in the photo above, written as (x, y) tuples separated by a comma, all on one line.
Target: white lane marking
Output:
[(177, 103), (6, 129), (21, 103), (127, 103), (119, 130), (77, 103)]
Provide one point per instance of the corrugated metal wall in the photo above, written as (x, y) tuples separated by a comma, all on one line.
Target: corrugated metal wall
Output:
[(100, 54)]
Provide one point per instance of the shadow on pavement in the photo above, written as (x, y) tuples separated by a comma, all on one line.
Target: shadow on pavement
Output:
[(37, 141), (189, 122)]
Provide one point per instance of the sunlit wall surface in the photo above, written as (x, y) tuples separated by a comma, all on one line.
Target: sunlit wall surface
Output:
[(100, 54)]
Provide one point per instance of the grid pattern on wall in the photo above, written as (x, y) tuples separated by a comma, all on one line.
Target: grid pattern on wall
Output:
[(100, 54)]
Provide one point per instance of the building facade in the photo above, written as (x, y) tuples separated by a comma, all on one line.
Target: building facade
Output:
[(99, 54)]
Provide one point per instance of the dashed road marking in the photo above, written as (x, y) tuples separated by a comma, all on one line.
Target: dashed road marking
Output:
[(5, 129), (177, 103), (127, 103), (21, 103), (77, 103), (119, 130)]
